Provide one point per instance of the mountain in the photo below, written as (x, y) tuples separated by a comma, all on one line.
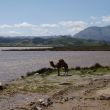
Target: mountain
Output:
[(95, 33), (58, 41), (91, 36)]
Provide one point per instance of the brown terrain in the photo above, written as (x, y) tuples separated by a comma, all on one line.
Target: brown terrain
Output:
[(52, 92)]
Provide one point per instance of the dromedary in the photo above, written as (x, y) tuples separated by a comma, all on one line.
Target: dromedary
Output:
[(61, 63)]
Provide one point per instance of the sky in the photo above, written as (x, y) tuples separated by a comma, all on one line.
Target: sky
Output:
[(51, 17)]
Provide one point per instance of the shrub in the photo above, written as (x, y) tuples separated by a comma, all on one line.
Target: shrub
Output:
[(40, 71), (95, 66), (77, 68)]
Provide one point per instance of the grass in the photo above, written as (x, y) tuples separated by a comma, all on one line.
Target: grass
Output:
[(48, 82), (33, 84), (96, 69)]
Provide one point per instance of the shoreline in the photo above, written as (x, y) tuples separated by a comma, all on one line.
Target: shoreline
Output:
[(48, 70), (46, 90), (63, 48)]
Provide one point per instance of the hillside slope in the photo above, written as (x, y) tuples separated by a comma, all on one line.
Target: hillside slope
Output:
[(95, 33)]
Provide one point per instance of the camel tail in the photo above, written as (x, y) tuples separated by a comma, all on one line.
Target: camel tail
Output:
[(52, 64)]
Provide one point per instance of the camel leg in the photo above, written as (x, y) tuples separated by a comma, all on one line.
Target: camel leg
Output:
[(58, 71), (66, 71)]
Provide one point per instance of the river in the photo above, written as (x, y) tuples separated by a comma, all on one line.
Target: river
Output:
[(13, 64)]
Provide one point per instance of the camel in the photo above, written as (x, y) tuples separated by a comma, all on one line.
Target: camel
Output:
[(61, 63)]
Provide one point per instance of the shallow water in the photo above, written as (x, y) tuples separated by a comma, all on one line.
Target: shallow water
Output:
[(13, 64)]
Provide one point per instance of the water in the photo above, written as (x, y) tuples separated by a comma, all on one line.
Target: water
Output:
[(13, 64)]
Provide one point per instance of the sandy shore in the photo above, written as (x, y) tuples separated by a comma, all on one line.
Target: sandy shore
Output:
[(73, 92)]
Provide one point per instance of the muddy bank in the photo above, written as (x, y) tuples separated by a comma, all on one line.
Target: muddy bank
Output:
[(82, 89)]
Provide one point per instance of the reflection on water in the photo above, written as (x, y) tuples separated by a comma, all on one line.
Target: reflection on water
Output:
[(16, 63)]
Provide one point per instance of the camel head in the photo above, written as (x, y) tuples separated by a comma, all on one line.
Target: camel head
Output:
[(52, 64)]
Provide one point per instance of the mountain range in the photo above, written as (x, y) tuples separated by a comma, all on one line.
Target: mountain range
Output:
[(95, 33), (91, 36)]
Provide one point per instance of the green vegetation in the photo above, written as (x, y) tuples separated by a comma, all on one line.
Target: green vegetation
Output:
[(95, 69), (34, 84), (84, 72), (92, 38), (81, 48), (55, 41), (47, 80)]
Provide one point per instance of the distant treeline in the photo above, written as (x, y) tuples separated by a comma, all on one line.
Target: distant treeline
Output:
[(82, 48), (54, 41)]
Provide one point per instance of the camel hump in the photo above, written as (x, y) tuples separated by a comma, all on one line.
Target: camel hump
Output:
[(61, 61)]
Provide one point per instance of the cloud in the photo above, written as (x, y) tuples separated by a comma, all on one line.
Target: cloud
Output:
[(25, 28), (62, 27), (99, 21), (106, 19), (5, 26), (40, 31), (10, 33), (74, 26), (96, 23), (14, 33), (24, 25), (49, 25), (93, 17)]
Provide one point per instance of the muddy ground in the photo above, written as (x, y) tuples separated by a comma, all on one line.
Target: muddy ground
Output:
[(73, 92)]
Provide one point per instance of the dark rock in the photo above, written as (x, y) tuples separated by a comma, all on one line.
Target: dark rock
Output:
[(22, 77), (72, 98), (66, 99), (32, 103), (45, 102), (39, 108), (36, 108), (102, 97), (1, 86)]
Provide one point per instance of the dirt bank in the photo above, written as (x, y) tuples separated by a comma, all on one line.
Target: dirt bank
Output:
[(72, 92)]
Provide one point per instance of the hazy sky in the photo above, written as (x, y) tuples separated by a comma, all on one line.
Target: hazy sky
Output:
[(51, 17)]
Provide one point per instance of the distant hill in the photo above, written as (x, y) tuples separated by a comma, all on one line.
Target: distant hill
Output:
[(58, 41), (95, 33)]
